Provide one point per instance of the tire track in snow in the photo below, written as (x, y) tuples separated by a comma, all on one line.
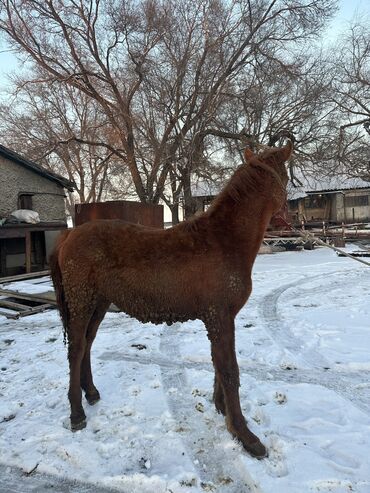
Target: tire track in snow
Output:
[(213, 470), (278, 329), (344, 383)]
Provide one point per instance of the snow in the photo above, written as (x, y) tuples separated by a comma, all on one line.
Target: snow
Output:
[(303, 345)]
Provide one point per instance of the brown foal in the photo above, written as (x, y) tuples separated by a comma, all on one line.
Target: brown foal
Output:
[(199, 269)]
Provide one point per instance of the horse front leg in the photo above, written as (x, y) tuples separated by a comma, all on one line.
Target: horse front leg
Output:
[(221, 333)]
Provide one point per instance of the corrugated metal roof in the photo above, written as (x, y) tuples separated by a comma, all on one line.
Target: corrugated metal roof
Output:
[(325, 184), (310, 184)]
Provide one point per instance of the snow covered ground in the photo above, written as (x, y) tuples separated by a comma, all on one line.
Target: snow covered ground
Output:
[(303, 343)]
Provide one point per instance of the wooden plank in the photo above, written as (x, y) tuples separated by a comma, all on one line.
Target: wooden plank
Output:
[(28, 251), (36, 309), (19, 230), (48, 297), (12, 305), (14, 316), (26, 311), (21, 277), (356, 254), (2, 258)]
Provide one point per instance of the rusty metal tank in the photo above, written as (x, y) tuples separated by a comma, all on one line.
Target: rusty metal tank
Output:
[(133, 212)]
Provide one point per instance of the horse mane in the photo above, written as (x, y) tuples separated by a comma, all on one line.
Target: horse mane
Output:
[(246, 178)]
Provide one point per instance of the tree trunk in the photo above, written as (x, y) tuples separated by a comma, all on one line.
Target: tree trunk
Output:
[(175, 213), (189, 202)]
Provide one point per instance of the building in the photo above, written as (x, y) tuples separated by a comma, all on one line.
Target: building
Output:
[(203, 193), (26, 185), (333, 200)]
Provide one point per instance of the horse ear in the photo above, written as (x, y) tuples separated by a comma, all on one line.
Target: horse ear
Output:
[(248, 154)]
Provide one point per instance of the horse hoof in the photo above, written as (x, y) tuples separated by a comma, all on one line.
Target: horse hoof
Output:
[(219, 405), (92, 398), (79, 425), (256, 449), (220, 409)]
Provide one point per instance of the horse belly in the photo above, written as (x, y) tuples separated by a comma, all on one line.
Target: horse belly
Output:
[(146, 311), (167, 297), (153, 304)]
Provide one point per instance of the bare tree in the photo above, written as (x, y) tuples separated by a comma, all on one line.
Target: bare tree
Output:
[(268, 102), (48, 122), (158, 70), (351, 95), (206, 117)]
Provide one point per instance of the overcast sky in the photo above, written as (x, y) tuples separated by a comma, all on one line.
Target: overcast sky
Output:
[(348, 10)]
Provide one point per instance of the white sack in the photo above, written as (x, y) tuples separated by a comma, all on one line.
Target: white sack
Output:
[(26, 216)]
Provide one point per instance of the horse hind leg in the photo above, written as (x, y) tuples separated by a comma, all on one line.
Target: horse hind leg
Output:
[(76, 349), (86, 380)]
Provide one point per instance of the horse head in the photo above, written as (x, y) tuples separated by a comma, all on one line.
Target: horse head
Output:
[(273, 159), (271, 155)]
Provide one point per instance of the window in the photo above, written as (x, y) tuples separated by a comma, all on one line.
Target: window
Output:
[(25, 201), (315, 202), (293, 204), (357, 201)]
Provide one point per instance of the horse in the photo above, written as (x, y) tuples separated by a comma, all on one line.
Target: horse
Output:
[(198, 269)]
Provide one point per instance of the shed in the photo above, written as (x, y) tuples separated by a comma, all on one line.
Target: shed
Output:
[(25, 184), (333, 200), (203, 193)]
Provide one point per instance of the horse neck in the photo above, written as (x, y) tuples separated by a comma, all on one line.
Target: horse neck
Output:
[(242, 213)]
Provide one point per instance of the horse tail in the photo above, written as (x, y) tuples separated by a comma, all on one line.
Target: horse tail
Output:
[(57, 278)]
